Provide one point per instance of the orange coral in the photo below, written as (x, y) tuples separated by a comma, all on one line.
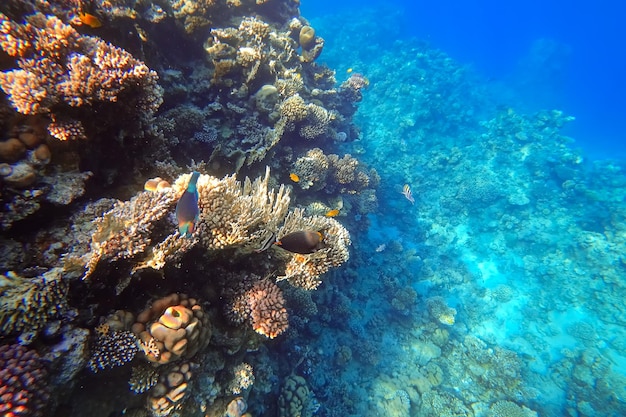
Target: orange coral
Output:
[(60, 66), (263, 305)]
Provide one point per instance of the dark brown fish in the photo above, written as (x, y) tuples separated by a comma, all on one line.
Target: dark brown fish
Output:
[(303, 242)]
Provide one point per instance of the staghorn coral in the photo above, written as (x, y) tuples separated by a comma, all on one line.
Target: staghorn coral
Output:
[(59, 66), (176, 325), (23, 378), (304, 271), (27, 304), (262, 304)]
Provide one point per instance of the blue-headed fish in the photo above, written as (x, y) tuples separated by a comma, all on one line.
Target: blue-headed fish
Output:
[(303, 242), (187, 210)]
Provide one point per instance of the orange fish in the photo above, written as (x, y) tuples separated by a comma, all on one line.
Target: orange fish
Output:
[(332, 213), (294, 177), (89, 20)]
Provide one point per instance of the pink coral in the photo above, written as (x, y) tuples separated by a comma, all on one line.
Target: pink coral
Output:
[(60, 66)]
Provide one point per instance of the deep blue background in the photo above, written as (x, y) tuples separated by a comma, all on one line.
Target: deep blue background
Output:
[(544, 54)]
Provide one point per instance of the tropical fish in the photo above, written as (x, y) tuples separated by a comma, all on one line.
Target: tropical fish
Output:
[(89, 20), (267, 243), (406, 191), (294, 177), (349, 70), (303, 242), (187, 210), (332, 213)]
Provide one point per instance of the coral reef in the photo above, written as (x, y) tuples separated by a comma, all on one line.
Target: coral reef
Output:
[(113, 348), (59, 66), (23, 387), (168, 394), (295, 398), (173, 327), (262, 304), (28, 303), (97, 98)]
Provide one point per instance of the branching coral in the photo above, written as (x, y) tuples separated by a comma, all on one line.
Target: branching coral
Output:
[(304, 270), (125, 231), (234, 214), (261, 303), (27, 304), (58, 66), (113, 348), (333, 173), (231, 215)]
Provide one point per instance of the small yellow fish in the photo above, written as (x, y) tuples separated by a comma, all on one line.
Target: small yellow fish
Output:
[(349, 70), (332, 213), (89, 20), (294, 177)]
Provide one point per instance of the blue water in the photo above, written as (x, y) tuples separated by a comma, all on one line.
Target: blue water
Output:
[(487, 270), (554, 54), (500, 285)]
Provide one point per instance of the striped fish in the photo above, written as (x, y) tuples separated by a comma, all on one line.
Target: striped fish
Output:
[(406, 191)]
